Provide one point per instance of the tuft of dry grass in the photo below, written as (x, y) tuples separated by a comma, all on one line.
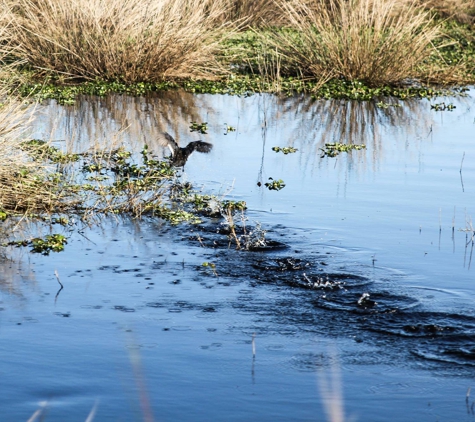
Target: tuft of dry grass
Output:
[(374, 41), (125, 40), (26, 186), (462, 11), (253, 13)]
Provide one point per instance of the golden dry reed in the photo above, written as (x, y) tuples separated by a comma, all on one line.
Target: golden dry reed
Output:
[(375, 41), (125, 40)]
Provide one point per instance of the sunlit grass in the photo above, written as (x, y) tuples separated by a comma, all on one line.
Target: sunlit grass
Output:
[(118, 39), (375, 41)]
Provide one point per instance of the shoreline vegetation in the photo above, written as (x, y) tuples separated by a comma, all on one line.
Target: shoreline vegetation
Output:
[(351, 49), (60, 49)]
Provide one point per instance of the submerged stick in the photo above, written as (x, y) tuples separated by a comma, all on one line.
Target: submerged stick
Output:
[(57, 278), (61, 284)]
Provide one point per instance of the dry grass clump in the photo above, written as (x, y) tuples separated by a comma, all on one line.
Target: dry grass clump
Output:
[(125, 40), (253, 13), (374, 41), (462, 11), (26, 186)]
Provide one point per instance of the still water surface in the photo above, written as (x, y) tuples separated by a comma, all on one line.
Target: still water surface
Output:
[(145, 332)]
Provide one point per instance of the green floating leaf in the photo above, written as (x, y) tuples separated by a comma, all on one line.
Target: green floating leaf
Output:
[(334, 149), (285, 150), (199, 127), (275, 184)]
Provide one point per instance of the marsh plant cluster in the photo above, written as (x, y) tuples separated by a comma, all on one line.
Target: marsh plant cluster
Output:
[(90, 185), (339, 48)]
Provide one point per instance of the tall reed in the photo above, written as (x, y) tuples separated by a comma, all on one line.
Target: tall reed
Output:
[(125, 40), (375, 41)]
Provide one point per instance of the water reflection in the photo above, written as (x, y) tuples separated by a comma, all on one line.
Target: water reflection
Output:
[(353, 123), (133, 120), (14, 275), (309, 124)]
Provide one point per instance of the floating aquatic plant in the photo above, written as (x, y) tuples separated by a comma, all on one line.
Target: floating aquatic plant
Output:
[(442, 107), (42, 245), (199, 127), (274, 184), (334, 149), (285, 150)]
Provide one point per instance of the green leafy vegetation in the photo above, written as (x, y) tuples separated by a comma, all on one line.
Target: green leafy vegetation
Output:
[(95, 183), (275, 184), (285, 150), (357, 49), (199, 127), (42, 245), (41, 150), (334, 149), (442, 107), (228, 129)]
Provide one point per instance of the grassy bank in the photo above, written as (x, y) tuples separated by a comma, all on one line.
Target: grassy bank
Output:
[(323, 47)]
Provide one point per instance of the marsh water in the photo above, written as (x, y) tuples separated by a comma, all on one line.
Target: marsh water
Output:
[(364, 299)]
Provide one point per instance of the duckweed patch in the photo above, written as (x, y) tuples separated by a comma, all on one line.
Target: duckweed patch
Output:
[(334, 149), (285, 150), (42, 245), (274, 184), (442, 107)]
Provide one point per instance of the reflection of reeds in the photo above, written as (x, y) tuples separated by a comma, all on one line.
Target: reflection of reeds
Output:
[(135, 120), (25, 184), (40, 414), (350, 122), (118, 39), (331, 392), (313, 122)]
